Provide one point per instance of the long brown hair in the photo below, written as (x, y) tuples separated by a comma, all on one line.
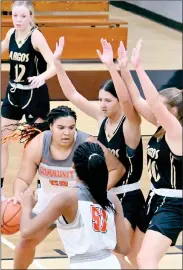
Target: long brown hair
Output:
[(173, 98)]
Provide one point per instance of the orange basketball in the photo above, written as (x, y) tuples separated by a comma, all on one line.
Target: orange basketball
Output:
[(10, 217)]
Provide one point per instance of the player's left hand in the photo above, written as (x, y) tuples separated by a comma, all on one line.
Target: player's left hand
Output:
[(135, 58), (107, 54), (36, 81), (122, 56), (59, 49)]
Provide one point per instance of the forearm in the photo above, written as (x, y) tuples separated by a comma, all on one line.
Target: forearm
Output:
[(65, 83), (120, 86), (19, 187), (50, 72), (130, 84), (114, 176), (150, 92)]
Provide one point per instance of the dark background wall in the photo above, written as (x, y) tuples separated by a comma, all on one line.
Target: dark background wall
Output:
[(88, 82)]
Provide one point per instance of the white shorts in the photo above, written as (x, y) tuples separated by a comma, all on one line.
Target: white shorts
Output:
[(110, 262)]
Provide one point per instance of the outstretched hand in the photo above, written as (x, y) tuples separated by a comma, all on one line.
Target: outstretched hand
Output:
[(135, 58), (107, 55), (59, 49), (122, 56)]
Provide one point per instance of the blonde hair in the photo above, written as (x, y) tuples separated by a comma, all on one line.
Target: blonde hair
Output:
[(29, 6), (173, 97)]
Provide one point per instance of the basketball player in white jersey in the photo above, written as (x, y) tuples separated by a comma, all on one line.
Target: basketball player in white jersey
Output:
[(50, 154), (90, 220)]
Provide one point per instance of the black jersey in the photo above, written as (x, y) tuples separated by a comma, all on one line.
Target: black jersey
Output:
[(25, 61), (164, 167), (117, 146)]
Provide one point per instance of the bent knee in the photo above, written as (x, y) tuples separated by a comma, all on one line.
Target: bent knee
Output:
[(27, 243)]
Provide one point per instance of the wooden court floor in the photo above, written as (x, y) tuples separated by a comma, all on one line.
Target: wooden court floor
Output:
[(50, 253)]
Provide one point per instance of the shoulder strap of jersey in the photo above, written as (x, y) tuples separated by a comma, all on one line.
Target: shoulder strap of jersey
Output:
[(31, 31), (120, 123), (13, 35), (123, 119), (103, 123), (47, 137)]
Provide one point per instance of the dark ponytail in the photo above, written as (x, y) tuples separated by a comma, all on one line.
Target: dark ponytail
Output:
[(91, 168)]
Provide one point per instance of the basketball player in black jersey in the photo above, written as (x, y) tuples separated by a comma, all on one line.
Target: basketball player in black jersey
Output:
[(119, 131), (163, 217), (30, 66)]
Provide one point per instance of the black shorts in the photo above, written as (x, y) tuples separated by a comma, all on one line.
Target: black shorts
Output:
[(33, 104), (132, 203), (164, 215)]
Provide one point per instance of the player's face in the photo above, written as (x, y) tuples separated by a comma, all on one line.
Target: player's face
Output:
[(21, 17), (63, 130), (109, 104)]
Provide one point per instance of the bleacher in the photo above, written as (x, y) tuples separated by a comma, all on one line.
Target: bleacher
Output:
[(82, 22)]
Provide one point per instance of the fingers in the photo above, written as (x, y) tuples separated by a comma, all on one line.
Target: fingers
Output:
[(134, 52), (61, 41), (121, 48), (122, 51), (36, 81), (30, 79), (10, 199), (105, 44), (99, 54), (139, 44), (14, 200)]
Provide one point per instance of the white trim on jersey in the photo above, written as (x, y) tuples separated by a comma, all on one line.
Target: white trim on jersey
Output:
[(126, 188), (167, 192)]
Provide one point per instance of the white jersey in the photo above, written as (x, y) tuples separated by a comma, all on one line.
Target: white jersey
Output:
[(92, 231), (54, 175)]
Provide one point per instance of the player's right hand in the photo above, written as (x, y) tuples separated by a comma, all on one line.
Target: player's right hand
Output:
[(59, 49), (16, 199)]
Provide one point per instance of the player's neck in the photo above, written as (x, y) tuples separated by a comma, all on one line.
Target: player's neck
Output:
[(115, 118), (24, 33), (63, 150)]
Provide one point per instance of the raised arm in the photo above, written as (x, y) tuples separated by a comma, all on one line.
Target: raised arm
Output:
[(133, 119), (68, 88), (139, 103), (165, 117)]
